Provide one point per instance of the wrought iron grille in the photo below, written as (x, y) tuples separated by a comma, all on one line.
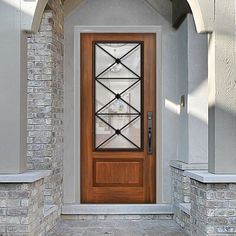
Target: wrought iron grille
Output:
[(118, 91)]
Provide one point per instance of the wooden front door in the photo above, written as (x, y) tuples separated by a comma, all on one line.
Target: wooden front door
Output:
[(118, 118)]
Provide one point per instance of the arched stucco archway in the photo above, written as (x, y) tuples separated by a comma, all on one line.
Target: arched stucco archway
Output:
[(203, 13), (39, 9), (31, 14)]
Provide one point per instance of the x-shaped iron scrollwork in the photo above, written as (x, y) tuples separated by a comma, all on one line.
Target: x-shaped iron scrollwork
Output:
[(117, 96)]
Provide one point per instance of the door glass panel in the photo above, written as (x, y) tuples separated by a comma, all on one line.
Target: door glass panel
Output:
[(132, 131), (118, 141), (117, 106), (118, 96), (117, 71)]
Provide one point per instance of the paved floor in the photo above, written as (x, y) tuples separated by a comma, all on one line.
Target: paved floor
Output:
[(116, 228)]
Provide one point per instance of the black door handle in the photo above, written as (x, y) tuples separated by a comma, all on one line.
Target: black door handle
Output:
[(149, 132)]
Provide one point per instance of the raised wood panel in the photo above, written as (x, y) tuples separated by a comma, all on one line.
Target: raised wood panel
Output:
[(118, 172), (116, 195)]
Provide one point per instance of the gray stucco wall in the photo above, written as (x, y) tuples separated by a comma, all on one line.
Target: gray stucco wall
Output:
[(197, 95), (192, 82), (182, 89), (13, 78)]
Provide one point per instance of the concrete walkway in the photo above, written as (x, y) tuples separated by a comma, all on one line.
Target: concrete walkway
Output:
[(116, 228)]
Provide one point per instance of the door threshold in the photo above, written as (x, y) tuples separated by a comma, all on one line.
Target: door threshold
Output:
[(117, 209)]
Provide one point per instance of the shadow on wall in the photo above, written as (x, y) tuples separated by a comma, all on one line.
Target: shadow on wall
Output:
[(198, 131)]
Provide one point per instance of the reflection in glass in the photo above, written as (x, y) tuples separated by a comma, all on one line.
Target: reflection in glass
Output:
[(118, 95), (128, 66)]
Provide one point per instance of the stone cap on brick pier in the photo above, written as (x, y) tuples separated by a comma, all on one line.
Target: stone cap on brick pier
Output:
[(185, 166), (25, 177), (207, 177)]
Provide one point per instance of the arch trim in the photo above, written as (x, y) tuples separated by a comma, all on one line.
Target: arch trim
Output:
[(41, 4), (31, 14), (203, 14)]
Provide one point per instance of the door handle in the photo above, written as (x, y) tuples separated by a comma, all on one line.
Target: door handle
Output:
[(149, 116)]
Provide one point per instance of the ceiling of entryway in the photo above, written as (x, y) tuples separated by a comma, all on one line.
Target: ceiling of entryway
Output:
[(164, 7), (174, 11)]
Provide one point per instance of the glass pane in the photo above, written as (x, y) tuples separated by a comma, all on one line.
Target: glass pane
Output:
[(117, 50), (130, 96), (103, 60), (132, 60), (117, 107), (119, 85), (133, 96), (103, 132), (118, 96), (133, 133), (117, 71), (119, 121), (118, 60), (117, 142), (103, 96)]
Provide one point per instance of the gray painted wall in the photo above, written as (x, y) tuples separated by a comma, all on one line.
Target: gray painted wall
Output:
[(192, 82), (113, 12), (131, 13), (222, 92), (13, 88), (197, 95), (169, 111), (182, 89)]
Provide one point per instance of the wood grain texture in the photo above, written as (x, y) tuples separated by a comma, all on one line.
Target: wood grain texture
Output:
[(113, 186), (118, 172)]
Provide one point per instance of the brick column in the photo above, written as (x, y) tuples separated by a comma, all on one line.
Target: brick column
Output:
[(213, 210), (21, 208), (45, 100), (180, 194)]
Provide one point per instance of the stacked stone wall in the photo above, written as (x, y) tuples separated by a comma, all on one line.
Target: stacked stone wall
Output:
[(213, 209), (21, 209), (180, 194), (45, 101)]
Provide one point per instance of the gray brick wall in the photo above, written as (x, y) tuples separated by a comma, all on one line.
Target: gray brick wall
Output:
[(21, 208), (213, 209), (45, 100), (180, 194), (213, 206)]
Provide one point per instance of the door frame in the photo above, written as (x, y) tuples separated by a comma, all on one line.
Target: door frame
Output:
[(159, 104)]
